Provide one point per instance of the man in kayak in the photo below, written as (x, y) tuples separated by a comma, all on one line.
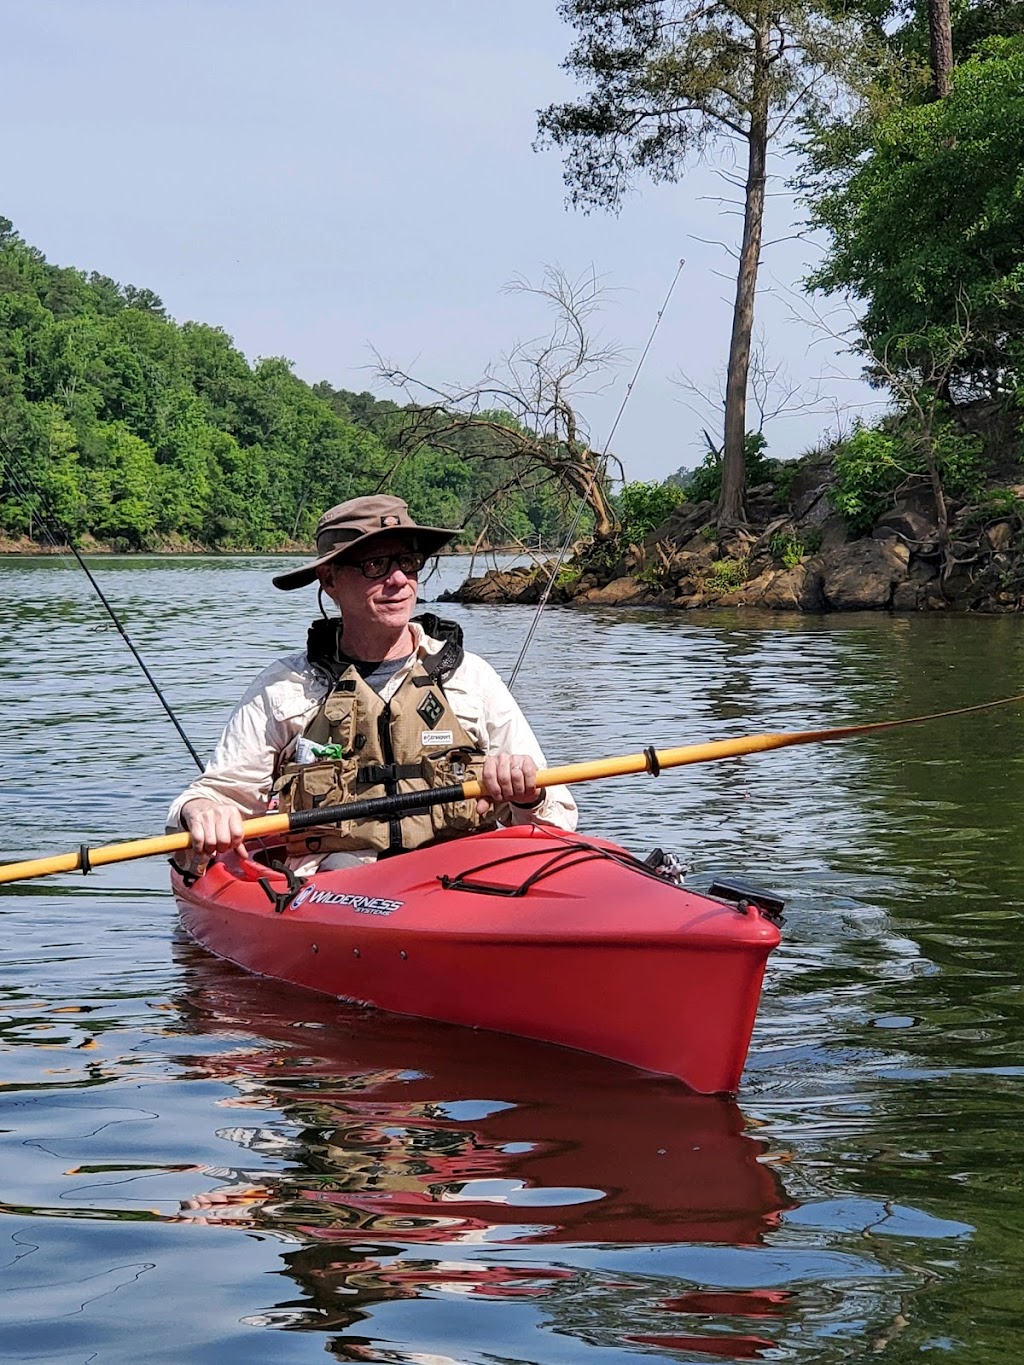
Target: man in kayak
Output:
[(377, 705)]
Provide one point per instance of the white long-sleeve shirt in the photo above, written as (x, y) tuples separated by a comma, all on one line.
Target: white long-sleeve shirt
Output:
[(262, 729)]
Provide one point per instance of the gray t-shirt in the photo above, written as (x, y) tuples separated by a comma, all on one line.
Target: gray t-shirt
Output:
[(377, 674)]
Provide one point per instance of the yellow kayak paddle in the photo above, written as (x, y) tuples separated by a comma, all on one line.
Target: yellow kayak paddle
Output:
[(650, 760)]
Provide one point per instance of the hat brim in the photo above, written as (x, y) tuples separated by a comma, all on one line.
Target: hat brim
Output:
[(429, 539)]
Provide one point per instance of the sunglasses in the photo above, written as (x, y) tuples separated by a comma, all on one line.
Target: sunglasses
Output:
[(379, 566)]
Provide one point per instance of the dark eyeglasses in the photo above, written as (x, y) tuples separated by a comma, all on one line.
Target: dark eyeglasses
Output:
[(379, 566)]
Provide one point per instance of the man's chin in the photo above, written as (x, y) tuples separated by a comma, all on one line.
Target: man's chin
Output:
[(396, 614)]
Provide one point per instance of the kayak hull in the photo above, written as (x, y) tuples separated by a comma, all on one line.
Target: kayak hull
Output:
[(525, 931)]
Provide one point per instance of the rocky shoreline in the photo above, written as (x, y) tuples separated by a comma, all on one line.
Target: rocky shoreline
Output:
[(795, 557), (794, 554)]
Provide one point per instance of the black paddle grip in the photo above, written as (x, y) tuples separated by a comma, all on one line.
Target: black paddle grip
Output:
[(375, 807)]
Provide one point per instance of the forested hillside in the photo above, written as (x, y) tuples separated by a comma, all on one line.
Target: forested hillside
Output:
[(143, 433)]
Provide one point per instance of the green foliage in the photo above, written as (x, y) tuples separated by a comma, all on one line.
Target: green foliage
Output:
[(876, 461), (788, 550), (973, 22), (664, 80), (642, 507), (1001, 503), (960, 460), (926, 227), (997, 502), (706, 483), (650, 575), (142, 432), (867, 475), (726, 574)]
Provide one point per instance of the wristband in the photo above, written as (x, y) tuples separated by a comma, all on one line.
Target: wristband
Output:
[(532, 805)]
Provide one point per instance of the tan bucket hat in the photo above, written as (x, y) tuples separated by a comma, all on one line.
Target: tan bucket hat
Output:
[(359, 522)]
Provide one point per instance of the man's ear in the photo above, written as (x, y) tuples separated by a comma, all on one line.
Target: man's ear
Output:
[(325, 573)]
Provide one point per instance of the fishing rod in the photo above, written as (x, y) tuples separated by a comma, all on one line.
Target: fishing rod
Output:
[(51, 515), (652, 761), (598, 469)]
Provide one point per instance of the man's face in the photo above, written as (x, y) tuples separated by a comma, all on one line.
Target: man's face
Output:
[(373, 602)]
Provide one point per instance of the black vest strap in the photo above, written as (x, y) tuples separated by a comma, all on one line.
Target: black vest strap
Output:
[(377, 774)]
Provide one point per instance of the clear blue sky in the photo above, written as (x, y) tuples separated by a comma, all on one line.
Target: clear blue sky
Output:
[(324, 176)]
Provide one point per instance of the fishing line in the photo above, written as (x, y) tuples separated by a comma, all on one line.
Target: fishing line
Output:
[(56, 522), (599, 469)]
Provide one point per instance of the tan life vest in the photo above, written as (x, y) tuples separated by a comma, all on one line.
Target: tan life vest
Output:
[(414, 742)]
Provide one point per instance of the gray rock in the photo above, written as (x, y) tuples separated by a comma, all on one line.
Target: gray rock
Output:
[(620, 592), (1000, 535), (812, 506), (908, 596), (748, 594), (811, 482), (796, 589), (862, 576), (500, 585), (904, 523)]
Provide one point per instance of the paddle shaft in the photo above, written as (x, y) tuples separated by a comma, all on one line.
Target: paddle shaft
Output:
[(381, 807)]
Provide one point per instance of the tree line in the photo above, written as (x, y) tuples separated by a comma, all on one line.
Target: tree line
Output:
[(125, 426)]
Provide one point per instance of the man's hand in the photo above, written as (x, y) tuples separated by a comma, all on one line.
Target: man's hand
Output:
[(214, 826), (508, 777)]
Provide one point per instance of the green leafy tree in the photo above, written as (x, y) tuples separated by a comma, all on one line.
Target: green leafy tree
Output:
[(926, 231), (40, 473), (141, 433), (120, 485)]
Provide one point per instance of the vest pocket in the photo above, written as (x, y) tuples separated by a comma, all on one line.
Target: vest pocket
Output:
[(310, 786), (451, 819), (339, 722)]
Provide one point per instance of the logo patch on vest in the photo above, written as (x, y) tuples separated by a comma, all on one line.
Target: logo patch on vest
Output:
[(431, 737), (430, 710)]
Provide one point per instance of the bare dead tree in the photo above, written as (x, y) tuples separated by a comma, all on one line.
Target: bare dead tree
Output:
[(772, 392), (522, 415)]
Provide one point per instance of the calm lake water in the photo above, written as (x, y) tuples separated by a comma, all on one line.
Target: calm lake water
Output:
[(391, 1190)]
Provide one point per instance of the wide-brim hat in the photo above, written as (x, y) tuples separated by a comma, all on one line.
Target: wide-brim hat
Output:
[(358, 523)]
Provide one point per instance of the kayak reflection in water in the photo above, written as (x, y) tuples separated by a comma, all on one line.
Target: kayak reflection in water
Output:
[(354, 1122), (395, 1159), (379, 704)]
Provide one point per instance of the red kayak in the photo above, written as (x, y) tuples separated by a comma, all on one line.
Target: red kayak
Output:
[(529, 931)]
